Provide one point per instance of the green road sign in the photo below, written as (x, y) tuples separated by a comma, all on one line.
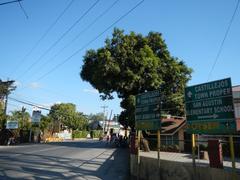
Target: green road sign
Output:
[(209, 108), (147, 113), (148, 124)]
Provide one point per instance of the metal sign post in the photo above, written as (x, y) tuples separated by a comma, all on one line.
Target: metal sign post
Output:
[(232, 157), (193, 153), (193, 150), (138, 154), (158, 147)]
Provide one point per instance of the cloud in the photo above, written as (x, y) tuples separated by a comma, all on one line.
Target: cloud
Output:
[(92, 91), (34, 85)]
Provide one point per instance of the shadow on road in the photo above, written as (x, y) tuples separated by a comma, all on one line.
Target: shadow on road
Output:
[(110, 164), (81, 144)]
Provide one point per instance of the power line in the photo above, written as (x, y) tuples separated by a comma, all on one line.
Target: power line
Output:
[(223, 41), (41, 38), (9, 2), (90, 42), (24, 12), (59, 39), (29, 103), (79, 34)]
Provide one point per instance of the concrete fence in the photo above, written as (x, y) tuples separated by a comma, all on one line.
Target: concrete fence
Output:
[(170, 170)]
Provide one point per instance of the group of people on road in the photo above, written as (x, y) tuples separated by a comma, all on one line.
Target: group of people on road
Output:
[(116, 140)]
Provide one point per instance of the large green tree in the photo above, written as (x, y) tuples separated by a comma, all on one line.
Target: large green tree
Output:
[(129, 64), (45, 123), (66, 114)]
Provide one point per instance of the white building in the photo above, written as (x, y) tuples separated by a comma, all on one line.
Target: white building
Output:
[(236, 100)]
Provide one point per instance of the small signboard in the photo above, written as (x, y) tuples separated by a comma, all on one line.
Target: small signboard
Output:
[(147, 113), (12, 125), (209, 108), (36, 116)]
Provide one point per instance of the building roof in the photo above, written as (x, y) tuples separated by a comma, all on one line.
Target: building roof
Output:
[(172, 125), (236, 88)]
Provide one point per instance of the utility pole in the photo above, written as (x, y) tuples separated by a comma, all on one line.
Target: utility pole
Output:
[(5, 104), (23, 120), (105, 118), (104, 108), (109, 120)]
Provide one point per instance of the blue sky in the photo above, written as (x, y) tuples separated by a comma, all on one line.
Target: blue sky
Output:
[(193, 31)]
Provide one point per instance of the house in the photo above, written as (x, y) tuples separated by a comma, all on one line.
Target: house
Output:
[(172, 131), (236, 101)]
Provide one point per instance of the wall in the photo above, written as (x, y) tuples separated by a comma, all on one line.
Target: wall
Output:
[(175, 170)]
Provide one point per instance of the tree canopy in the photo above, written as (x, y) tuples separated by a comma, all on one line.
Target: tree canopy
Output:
[(22, 117), (129, 64), (66, 114), (6, 87)]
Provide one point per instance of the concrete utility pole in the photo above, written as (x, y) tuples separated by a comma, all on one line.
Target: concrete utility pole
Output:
[(105, 119), (104, 108), (5, 104), (109, 120)]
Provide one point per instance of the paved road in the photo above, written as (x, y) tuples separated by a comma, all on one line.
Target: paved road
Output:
[(67, 160)]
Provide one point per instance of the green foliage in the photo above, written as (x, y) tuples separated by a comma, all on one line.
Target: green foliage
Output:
[(97, 133), (2, 116), (66, 114), (22, 117), (6, 87), (45, 122), (79, 134), (129, 64)]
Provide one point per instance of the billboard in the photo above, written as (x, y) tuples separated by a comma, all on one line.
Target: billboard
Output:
[(147, 112), (209, 108), (36, 116), (12, 125)]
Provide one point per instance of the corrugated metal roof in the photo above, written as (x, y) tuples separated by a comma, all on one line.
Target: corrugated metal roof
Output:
[(171, 125)]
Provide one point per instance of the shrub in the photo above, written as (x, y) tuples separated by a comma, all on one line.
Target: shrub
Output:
[(79, 134), (96, 133)]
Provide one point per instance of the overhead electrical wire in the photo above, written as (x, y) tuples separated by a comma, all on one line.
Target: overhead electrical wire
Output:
[(59, 39), (41, 38), (90, 42), (79, 34), (10, 2), (223, 41), (29, 103), (108, 27), (23, 10)]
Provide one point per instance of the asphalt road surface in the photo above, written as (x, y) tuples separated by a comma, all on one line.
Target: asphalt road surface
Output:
[(87, 159)]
